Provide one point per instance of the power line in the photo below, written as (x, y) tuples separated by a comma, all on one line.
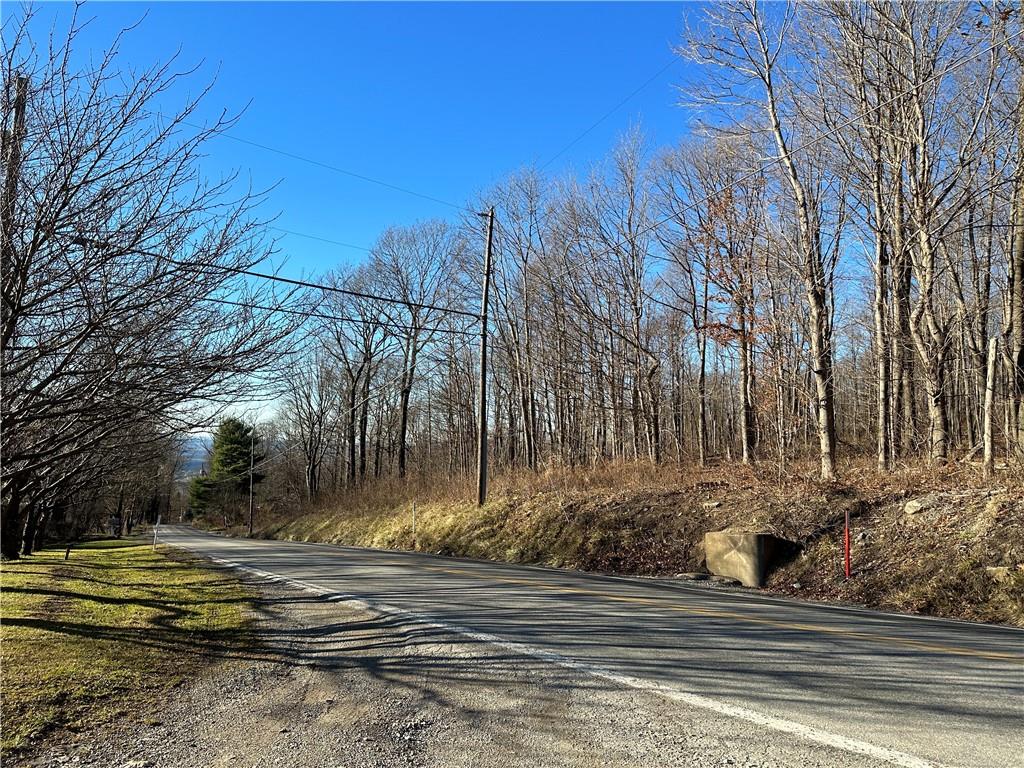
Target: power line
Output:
[(601, 119), (333, 289), (328, 166), (321, 239), (78, 240), (337, 318), (609, 113), (406, 190)]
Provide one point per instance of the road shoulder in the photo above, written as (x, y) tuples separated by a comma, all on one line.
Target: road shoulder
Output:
[(334, 684)]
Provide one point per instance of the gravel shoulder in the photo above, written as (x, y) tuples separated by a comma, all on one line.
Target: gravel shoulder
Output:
[(335, 685)]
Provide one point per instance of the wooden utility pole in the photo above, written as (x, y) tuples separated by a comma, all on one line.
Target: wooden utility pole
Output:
[(10, 150), (252, 453), (481, 456)]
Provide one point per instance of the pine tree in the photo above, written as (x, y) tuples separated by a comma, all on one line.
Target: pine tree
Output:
[(235, 444)]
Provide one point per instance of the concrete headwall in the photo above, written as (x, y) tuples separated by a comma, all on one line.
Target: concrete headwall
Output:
[(748, 557)]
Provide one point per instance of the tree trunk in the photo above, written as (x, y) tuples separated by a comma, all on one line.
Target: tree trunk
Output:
[(364, 421), (938, 416), (746, 421), (13, 523), (1017, 317), (403, 413), (814, 279), (353, 408), (312, 479), (41, 529), (28, 538), (988, 461), (881, 266), (903, 418)]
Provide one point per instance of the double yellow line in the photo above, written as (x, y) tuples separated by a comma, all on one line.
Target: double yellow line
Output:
[(724, 614)]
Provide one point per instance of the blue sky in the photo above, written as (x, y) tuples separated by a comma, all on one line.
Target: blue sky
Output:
[(442, 98)]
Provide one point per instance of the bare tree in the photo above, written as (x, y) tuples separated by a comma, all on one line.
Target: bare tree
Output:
[(418, 266), (122, 300), (751, 47)]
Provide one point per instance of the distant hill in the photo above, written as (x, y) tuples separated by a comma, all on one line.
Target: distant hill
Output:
[(195, 453)]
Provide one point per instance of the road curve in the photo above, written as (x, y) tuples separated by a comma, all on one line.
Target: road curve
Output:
[(904, 690)]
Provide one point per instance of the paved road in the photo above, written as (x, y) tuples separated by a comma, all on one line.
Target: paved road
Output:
[(902, 690)]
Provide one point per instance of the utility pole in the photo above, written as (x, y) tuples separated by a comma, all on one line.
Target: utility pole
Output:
[(10, 151), (481, 457), (252, 453)]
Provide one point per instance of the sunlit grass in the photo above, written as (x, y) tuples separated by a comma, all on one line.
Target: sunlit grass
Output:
[(82, 639)]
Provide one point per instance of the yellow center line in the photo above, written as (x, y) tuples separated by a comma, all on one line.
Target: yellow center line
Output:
[(724, 614)]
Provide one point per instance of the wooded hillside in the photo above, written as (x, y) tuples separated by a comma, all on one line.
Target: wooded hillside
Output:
[(834, 267), (830, 265)]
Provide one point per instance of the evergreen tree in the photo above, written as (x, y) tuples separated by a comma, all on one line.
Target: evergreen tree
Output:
[(235, 447)]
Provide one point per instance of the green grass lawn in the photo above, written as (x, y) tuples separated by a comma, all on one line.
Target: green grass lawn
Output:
[(83, 640)]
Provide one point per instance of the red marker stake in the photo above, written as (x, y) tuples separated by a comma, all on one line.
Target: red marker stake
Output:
[(846, 547)]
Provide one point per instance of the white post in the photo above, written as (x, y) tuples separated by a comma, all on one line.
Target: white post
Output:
[(414, 544), (154, 531)]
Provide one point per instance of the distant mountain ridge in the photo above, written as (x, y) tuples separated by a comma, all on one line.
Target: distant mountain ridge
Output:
[(195, 452)]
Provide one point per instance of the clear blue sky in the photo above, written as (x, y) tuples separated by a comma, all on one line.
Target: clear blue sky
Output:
[(443, 98)]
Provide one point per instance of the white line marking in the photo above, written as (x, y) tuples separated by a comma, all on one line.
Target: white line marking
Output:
[(809, 733)]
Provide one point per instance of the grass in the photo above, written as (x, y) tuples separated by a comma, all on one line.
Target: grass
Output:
[(87, 639)]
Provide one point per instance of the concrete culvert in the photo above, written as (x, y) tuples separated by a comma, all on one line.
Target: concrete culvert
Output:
[(748, 557)]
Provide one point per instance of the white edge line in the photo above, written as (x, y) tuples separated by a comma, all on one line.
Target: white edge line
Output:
[(808, 733)]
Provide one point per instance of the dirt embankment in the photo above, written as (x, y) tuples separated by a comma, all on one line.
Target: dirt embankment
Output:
[(941, 544), (957, 553)]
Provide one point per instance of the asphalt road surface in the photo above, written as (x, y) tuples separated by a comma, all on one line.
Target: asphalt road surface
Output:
[(901, 690)]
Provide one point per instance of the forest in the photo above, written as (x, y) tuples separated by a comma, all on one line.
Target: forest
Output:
[(828, 266)]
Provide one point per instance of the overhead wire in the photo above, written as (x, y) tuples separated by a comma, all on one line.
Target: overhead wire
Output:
[(399, 188), (338, 318), (328, 166), (609, 113), (290, 281), (412, 192), (579, 137), (321, 239)]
